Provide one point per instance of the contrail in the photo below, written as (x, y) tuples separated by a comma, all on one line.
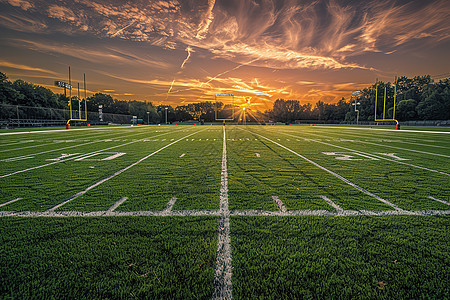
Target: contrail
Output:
[(120, 30), (188, 49), (223, 73)]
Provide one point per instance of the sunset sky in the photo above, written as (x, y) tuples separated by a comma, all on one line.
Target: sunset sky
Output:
[(183, 51)]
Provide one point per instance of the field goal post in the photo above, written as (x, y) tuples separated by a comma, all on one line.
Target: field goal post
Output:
[(217, 117), (79, 103), (397, 126)]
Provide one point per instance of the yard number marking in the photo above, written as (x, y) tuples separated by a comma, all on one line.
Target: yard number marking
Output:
[(349, 156)]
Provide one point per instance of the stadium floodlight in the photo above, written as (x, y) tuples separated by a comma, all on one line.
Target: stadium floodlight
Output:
[(355, 94), (216, 113), (166, 108), (148, 117)]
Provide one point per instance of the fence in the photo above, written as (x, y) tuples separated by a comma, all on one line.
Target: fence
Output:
[(26, 116)]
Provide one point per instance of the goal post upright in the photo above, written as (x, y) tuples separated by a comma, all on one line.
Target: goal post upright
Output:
[(216, 117), (80, 118), (384, 104)]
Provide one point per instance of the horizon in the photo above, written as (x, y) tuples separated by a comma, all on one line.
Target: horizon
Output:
[(181, 52)]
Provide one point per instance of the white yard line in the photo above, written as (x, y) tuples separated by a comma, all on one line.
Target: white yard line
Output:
[(20, 142), (280, 204), (74, 157), (108, 138), (170, 204), (333, 173), (406, 149), (337, 207), (261, 213), (9, 202), (34, 146), (182, 155), (223, 288), (373, 155), (439, 200), (249, 213), (381, 129), (116, 205), (71, 130), (116, 173)]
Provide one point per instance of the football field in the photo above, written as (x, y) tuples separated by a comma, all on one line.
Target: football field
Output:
[(225, 211)]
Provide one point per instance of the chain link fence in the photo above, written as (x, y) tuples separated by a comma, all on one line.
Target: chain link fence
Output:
[(27, 116)]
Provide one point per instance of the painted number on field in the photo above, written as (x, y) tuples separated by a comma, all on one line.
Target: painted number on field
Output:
[(63, 156), (350, 156), (101, 156), (393, 155)]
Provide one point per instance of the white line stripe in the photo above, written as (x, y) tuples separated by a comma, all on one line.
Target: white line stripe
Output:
[(116, 205), (249, 213), (40, 145), (71, 130), (406, 149), (377, 156), (439, 200), (334, 174), (280, 203), (170, 204), (115, 174), (223, 288), (20, 142), (393, 130), (9, 202), (329, 201), (74, 157), (182, 155), (115, 136)]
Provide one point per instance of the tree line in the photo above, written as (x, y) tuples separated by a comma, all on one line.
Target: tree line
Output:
[(418, 98)]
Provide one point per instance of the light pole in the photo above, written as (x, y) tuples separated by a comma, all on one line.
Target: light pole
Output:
[(148, 117), (166, 114), (356, 93)]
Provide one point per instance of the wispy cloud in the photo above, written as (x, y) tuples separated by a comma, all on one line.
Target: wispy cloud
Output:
[(289, 34), (7, 64), (189, 50)]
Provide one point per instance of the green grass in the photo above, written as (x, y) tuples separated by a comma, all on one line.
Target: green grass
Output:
[(392, 257), (341, 258), (107, 258)]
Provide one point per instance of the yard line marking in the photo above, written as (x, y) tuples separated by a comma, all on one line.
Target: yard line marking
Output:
[(439, 200), (334, 174), (63, 130), (170, 204), (9, 202), (116, 205), (393, 130), (40, 145), (115, 174), (412, 150), (73, 146), (223, 288), (17, 158), (344, 213), (377, 156), (389, 140), (249, 213), (280, 204), (182, 155), (20, 142), (329, 201), (56, 162)]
